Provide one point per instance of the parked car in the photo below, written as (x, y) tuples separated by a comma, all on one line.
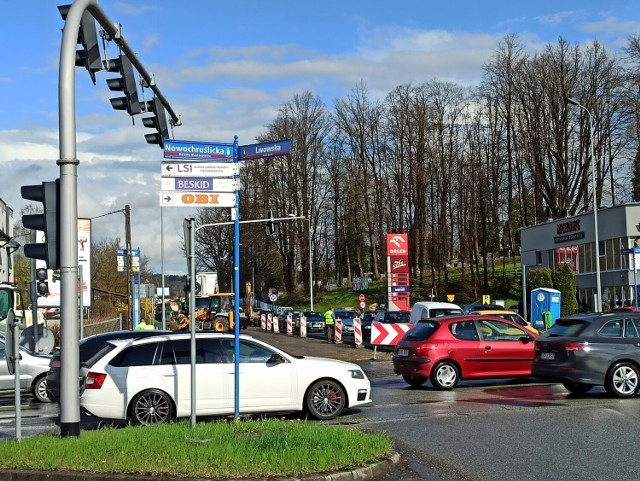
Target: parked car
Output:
[(89, 346), (385, 317), (33, 373), (428, 309), (584, 351), (480, 307), (447, 349), (509, 315), (149, 380), (315, 321), (346, 316)]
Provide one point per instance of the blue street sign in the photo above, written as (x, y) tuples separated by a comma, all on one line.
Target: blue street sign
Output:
[(186, 149), (400, 288), (633, 250), (269, 149)]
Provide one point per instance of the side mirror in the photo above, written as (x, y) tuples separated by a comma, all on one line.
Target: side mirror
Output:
[(525, 339), (275, 359)]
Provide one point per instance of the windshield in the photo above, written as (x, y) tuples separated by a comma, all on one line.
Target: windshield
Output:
[(422, 331)]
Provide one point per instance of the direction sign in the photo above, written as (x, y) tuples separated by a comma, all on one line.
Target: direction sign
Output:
[(186, 149), (197, 199), (268, 149), (200, 169), (198, 184)]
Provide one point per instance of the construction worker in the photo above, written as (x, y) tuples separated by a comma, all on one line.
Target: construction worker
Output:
[(329, 324)]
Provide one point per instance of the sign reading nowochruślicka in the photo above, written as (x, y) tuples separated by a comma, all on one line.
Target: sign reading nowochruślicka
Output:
[(185, 149)]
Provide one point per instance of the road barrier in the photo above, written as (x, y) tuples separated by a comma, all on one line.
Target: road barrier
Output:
[(269, 321), (263, 321), (289, 324), (276, 327), (337, 335), (303, 326), (357, 331)]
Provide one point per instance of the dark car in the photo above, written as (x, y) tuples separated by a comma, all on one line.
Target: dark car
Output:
[(385, 317), (346, 316), (590, 350), (89, 346), (469, 308), (446, 349)]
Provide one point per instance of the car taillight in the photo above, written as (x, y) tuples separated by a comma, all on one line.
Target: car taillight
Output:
[(423, 348), (94, 380), (575, 346), (55, 364)]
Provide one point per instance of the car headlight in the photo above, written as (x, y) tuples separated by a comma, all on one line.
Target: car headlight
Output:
[(356, 374)]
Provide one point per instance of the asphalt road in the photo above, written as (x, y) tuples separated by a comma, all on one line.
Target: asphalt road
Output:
[(494, 430)]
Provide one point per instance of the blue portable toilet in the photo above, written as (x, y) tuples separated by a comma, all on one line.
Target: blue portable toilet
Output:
[(545, 306)]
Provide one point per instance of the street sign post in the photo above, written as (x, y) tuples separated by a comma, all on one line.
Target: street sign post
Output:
[(186, 149), (268, 149), (198, 184)]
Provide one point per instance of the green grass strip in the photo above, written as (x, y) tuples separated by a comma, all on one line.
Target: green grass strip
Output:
[(216, 449)]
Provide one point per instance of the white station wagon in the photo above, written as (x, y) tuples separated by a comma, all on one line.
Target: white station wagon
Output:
[(149, 380)]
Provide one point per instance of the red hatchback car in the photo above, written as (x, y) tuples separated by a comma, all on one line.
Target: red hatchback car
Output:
[(447, 349)]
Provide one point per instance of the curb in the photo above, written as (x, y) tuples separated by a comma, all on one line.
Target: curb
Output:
[(367, 472)]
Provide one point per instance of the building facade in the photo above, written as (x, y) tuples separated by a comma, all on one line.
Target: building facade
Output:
[(572, 241)]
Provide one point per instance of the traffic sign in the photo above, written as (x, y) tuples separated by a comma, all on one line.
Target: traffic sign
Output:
[(363, 305), (198, 184), (268, 149), (185, 149), (361, 298), (197, 199), (200, 169)]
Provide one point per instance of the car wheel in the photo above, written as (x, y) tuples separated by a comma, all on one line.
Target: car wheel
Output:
[(577, 387), (325, 399), (414, 381), (151, 407), (39, 390), (445, 376), (623, 380)]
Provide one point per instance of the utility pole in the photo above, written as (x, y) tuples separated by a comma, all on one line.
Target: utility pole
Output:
[(127, 233)]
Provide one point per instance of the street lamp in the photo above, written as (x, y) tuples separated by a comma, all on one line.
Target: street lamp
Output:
[(571, 101)]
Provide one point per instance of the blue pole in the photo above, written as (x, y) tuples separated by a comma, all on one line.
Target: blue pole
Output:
[(635, 281), (236, 280)]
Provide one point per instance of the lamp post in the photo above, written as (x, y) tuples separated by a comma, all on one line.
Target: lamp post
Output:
[(571, 101)]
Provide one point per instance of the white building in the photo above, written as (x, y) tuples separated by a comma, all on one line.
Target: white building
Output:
[(571, 241)]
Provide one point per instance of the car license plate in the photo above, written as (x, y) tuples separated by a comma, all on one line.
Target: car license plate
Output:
[(403, 352), (547, 356)]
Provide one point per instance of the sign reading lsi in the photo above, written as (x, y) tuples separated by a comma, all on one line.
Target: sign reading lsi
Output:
[(197, 199)]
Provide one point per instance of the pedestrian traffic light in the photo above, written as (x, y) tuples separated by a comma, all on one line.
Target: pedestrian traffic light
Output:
[(48, 222), (42, 286), (89, 56), (158, 121), (125, 83)]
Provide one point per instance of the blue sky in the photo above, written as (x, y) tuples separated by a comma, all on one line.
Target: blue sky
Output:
[(226, 68)]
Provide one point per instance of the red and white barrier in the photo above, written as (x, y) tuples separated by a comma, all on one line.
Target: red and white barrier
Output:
[(387, 334), (337, 334), (269, 321), (276, 327), (303, 326), (357, 331), (263, 321), (289, 324)]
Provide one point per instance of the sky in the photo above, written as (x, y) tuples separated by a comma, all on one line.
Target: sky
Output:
[(226, 68)]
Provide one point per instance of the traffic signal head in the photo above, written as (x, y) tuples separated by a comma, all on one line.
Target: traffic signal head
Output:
[(89, 56), (48, 222), (158, 121), (42, 286), (125, 83)]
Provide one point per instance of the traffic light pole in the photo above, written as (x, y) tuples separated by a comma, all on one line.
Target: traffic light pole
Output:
[(68, 213)]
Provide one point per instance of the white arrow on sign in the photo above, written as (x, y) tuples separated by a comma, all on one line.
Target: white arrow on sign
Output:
[(197, 199), (198, 184), (200, 169)]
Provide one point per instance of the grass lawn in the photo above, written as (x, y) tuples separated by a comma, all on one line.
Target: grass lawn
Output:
[(219, 449)]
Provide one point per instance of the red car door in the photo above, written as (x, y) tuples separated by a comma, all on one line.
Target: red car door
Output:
[(504, 351)]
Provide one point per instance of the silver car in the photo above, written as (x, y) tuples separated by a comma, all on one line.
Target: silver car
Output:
[(33, 373)]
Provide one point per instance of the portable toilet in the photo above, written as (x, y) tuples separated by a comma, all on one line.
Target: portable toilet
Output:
[(545, 307)]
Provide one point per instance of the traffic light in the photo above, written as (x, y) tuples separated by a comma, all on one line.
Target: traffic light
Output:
[(125, 83), (158, 122), (48, 194), (89, 56), (42, 286)]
